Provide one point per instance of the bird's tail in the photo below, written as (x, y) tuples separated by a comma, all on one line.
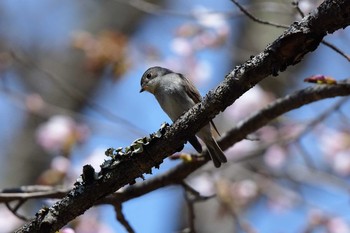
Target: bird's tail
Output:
[(216, 153)]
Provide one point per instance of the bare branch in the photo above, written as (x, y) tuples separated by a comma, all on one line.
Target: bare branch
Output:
[(336, 49), (242, 224), (255, 19), (191, 213), (304, 154), (121, 218), (191, 197), (238, 133), (296, 4), (31, 192), (14, 210), (176, 175), (154, 9), (75, 93)]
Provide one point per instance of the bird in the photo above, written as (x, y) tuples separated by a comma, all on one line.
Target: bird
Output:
[(176, 95)]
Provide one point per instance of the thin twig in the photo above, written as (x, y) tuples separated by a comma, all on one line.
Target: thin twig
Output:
[(321, 117), (154, 9), (304, 154), (76, 94), (336, 49), (191, 214), (48, 109), (195, 193), (242, 225), (189, 189), (14, 210), (296, 5), (32, 192), (329, 45), (192, 196), (121, 218), (255, 19), (344, 117)]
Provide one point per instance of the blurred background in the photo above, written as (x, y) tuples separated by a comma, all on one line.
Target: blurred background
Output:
[(69, 86)]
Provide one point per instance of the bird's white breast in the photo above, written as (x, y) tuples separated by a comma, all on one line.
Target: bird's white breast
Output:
[(172, 97)]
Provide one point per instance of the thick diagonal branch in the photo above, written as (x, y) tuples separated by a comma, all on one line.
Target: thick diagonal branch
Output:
[(179, 173)]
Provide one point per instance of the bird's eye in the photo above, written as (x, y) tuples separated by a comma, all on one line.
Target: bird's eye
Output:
[(149, 75)]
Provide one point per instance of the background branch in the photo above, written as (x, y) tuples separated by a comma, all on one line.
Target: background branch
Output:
[(179, 173)]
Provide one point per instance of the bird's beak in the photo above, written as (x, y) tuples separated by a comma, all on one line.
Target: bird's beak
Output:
[(142, 89)]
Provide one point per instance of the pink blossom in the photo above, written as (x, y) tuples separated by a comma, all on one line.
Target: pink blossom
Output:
[(316, 217), (341, 163), (338, 225), (334, 141), (210, 19), (61, 164), (8, 221), (275, 156), (251, 101), (203, 183), (67, 230), (34, 103), (60, 133), (247, 189), (91, 223), (181, 46), (241, 149)]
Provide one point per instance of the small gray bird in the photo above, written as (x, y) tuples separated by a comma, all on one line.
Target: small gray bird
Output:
[(176, 95)]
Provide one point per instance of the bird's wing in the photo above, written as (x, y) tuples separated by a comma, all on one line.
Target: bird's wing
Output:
[(193, 93), (191, 90), (216, 130)]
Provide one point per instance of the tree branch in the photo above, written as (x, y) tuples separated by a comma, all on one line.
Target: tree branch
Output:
[(176, 175), (236, 134), (301, 38)]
